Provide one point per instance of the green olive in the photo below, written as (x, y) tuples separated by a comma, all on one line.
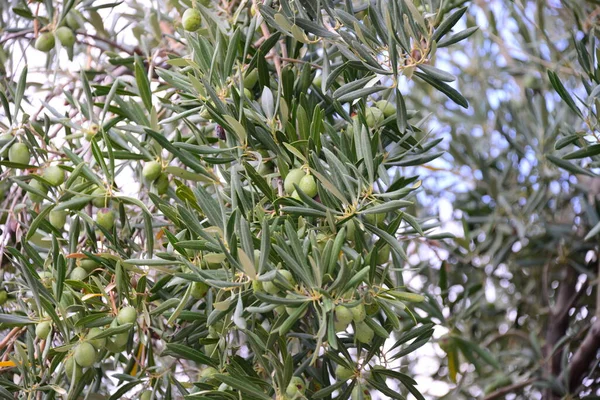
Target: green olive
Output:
[(85, 355), (72, 20), (58, 218), (152, 170), (3, 297), (293, 178), (308, 185), (363, 333), (357, 391), (19, 154), (97, 343), (342, 373), (288, 276), (296, 387), (70, 367), (251, 78), (374, 116), (54, 175), (100, 199), (42, 330), (383, 255), (45, 42), (65, 36), (199, 290), (162, 184), (126, 315), (376, 219), (88, 264), (34, 183), (191, 20), (213, 260), (78, 274), (386, 107), (343, 315), (257, 286), (146, 395), (105, 218), (290, 309), (358, 313), (207, 373), (270, 287)]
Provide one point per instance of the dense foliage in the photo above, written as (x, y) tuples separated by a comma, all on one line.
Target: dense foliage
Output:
[(240, 199), (262, 256)]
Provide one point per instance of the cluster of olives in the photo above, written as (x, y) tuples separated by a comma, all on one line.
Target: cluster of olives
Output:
[(297, 177), (153, 173), (65, 34), (85, 353)]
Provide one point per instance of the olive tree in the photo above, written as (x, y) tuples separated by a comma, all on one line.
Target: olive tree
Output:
[(521, 174), (215, 199)]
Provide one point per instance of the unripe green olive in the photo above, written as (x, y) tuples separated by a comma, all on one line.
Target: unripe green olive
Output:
[(358, 313), (270, 287), (296, 196), (293, 178), (126, 315), (374, 116), (162, 184), (101, 199), (248, 93), (5, 138), (58, 218), (372, 308), (356, 392), (257, 286), (376, 219), (342, 373), (3, 297), (85, 355), (213, 260), (191, 20), (363, 333), (386, 107), (288, 276), (45, 42), (65, 36), (146, 395), (54, 175), (72, 20), (207, 373), (152, 170), (308, 185), (34, 183), (105, 218), (383, 255), (296, 387), (199, 290), (88, 264), (343, 315), (290, 309), (97, 343), (251, 78), (70, 366), (78, 274), (118, 342), (19, 154), (42, 330)]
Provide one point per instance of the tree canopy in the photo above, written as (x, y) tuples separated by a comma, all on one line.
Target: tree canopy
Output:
[(294, 199)]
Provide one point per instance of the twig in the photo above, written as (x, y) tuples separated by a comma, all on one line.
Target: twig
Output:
[(508, 389)]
